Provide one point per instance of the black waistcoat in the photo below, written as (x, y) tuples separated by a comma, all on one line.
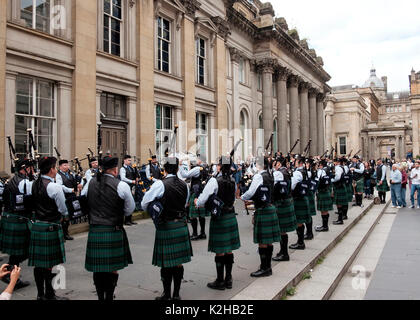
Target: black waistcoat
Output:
[(106, 208), (268, 182), (276, 190), (174, 199), (226, 191), (68, 182), (11, 190), (45, 207), (130, 173), (155, 172)]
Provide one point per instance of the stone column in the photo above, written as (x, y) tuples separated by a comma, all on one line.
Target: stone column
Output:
[(84, 133), (313, 123), (304, 115), (403, 147), (397, 148), (294, 112), (132, 126), (267, 69), (375, 148), (321, 129), (235, 57), (282, 110), (64, 120), (3, 144), (328, 130), (10, 111)]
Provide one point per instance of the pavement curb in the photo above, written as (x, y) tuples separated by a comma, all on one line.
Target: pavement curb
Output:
[(248, 292), (354, 254)]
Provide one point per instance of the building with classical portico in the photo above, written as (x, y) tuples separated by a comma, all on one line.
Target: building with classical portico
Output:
[(139, 67)]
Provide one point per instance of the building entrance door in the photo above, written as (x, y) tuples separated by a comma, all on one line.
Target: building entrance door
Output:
[(114, 140)]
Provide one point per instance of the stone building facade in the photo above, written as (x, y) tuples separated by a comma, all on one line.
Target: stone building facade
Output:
[(415, 110), (369, 119), (141, 67)]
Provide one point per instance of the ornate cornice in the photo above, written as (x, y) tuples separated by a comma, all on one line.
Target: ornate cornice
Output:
[(304, 86), (235, 54), (294, 81), (223, 27), (313, 93), (282, 73), (267, 65), (241, 22), (191, 6)]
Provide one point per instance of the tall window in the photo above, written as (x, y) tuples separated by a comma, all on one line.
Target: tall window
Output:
[(200, 45), (343, 145), (202, 135), (164, 124), (36, 14), (113, 106), (164, 44), (242, 70), (35, 109), (112, 26)]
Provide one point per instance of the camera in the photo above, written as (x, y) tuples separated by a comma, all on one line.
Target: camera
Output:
[(10, 268)]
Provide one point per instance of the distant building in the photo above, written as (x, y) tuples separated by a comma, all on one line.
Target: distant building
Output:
[(369, 119)]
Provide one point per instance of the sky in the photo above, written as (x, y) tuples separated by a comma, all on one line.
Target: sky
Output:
[(351, 36)]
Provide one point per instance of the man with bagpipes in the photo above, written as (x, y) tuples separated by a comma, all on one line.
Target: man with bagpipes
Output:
[(46, 248), (14, 225), (165, 202), (340, 190), (283, 201), (358, 168), (324, 200), (218, 197), (70, 185), (266, 224), (128, 175), (109, 200)]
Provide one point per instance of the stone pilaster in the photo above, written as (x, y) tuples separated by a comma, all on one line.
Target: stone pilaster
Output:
[(267, 69), (282, 109), (221, 121), (64, 119), (132, 126), (84, 76), (304, 115), (235, 57), (294, 112), (188, 74), (322, 131), (145, 102), (3, 144), (313, 122), (10, 109)]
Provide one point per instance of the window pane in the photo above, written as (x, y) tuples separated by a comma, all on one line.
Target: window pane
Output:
[(21, 125), (43, 15), (115, 37), (165, 67), (115, 25), (26, 12), (115, 49), (107, 6), (158, 117), (23, 95), (203, 122), (43, 135)]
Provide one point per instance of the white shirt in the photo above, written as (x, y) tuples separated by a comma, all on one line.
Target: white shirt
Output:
[(415, 176), (193, 173), (257, 181), (278, 177), (211, 187), (124, 193), (59, 181), (320, 173), (296, 178), (338, 173), (123, 175), (156, 191), (89, 175), (56, 193), (21, 187)]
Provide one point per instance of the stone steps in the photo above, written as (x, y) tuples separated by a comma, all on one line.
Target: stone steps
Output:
[(288, 275), (326, 276)]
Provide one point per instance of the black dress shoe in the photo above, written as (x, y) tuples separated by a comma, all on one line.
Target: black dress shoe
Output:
[(217, 285), (163, 297), (202, 236), (321, 229), (338, 223), (262, 273), (21, 284), (345, 218), (128, 223), (228, 283), (133, 222), (68, 237), (281, 258), (297, 246), (194, 237), (176, 298), (309, 237)]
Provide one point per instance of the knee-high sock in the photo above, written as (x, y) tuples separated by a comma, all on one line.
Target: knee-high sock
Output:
[(325, 220), (263, 257), (112, 280), (178, 275), (202, 225), (229, 260), (39, 280), (194, 224), (283, 244), (270, 249), (309, 227), (166, 277), (48, 276), (220, 267), (98, 280), (301, 234)]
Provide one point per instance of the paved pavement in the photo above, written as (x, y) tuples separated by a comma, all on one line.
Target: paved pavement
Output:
[(397, 275), (141, 281)]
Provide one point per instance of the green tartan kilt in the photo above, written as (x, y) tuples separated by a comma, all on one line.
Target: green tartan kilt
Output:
[(382, 188), (341, 195), (266, 226), (302, 212), (14, 235), (286, 215), (360, 185), (312, 208), (194, 212), (172, 245), (324, 200), (107, 249), (350, 192), (224, 234), (46, 247)]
